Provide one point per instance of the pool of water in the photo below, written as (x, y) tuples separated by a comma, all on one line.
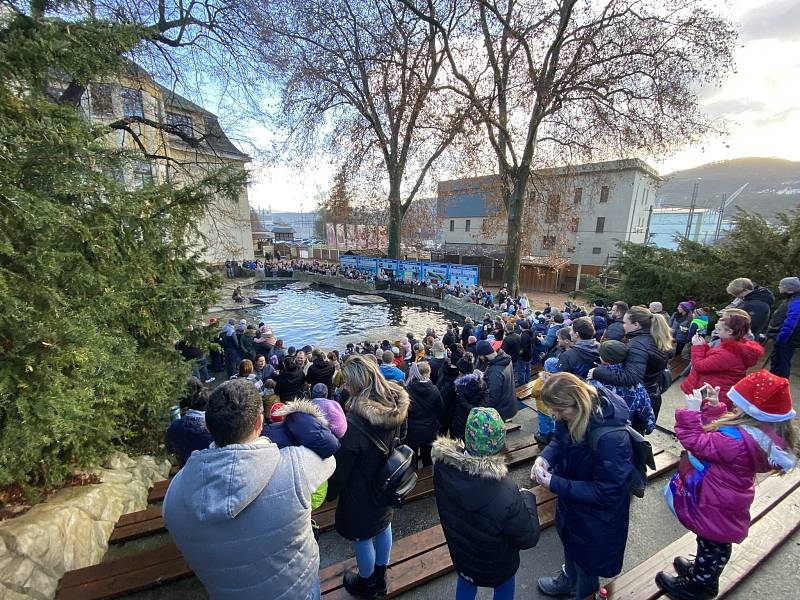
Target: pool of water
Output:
[(321, 316)]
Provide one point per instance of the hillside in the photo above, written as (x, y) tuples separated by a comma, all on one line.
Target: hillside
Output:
[(774, 185)]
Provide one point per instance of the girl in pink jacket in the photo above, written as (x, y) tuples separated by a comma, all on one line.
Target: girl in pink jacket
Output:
[(714, 487)]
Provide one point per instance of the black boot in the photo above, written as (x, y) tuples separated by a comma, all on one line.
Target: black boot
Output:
[(362, 587), (682, 588), (683, 567), (380, 581)]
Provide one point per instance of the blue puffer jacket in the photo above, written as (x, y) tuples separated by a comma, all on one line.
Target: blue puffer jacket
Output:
[(785, 323), (303, 425), (593, 490)]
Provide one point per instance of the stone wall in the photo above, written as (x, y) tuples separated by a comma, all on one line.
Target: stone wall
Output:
[(71, 529), (449, 303)]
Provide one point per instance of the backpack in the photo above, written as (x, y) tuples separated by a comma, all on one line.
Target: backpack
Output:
[(642, 454), (397, 476)]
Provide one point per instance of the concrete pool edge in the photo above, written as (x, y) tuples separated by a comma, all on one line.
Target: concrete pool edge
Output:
[(448, 303)]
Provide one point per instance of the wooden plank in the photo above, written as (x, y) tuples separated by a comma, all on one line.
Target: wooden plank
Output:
[(639, 584), (158, 491), (512, 427), (110, 570), (139, 516)]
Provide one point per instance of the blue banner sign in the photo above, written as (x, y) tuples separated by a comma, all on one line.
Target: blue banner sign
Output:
[(348, 262), (389, 264), (368, 264), (435, 272), (466, 275)]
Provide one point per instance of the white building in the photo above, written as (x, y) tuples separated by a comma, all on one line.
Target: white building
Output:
[(225, 227), (577, 212)]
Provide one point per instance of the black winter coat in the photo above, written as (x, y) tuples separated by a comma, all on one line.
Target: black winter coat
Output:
[(645, 363), (466, 331), (499, 376), (758, 305), (321, 371), (359, 512), (593, 507), (580, 358), (486, 519), (471, 391), (526, 345), (425, 415), (512, 344), (436, 365), (290, 384), (447, 389)]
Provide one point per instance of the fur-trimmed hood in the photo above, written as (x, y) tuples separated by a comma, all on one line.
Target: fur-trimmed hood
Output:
[(379, 415), (451, 452), (469, 378), (303, 405)]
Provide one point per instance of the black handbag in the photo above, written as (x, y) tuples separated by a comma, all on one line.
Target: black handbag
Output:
[(397, 476)]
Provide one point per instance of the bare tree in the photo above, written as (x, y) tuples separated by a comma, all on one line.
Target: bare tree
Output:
[(361, 79), (578, 80)]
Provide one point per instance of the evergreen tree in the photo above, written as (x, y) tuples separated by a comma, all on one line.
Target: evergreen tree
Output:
[(96, 281), (755, 248)]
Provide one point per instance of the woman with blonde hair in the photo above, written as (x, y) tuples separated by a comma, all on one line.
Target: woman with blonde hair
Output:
[(592, 485), (649, 350), (376, 408)]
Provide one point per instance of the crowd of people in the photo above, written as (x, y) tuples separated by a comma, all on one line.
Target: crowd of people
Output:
[(294, 427)]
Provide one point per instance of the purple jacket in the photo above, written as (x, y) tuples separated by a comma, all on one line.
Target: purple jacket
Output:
[(714, 487)]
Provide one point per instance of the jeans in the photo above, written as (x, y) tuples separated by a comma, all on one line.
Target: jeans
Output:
[(232, 359), (201, 369), (781, 361), (547, 424), (523, 371), (585, 584), (423, 453), (467, 591), (374, 551)]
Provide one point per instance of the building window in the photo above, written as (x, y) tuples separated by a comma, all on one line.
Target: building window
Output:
[(548, 242), (452, 225), (601, 225), (142, 174), (573, 224), (100, 97), (132, 102), (466, 227), (604, 194), (551, 210), (182, 123), (596, 250), (578, 195)]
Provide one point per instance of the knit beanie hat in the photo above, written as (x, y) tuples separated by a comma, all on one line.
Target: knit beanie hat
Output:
[(790, 284), (551, 365), (763, 396), (613, 352), (320, 390), (275, 408), (472, 340), (687, 306), (484, 348), (485, 433)]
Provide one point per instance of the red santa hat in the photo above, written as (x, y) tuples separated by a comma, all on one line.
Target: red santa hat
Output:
[(763, 396)]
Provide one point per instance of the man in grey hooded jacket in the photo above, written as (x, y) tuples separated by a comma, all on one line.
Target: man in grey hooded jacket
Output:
[(240, 511)]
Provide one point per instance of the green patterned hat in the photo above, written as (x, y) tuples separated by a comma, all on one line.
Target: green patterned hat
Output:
[(485, 433)]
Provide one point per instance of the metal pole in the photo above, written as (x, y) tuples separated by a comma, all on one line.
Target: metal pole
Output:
[(691, 208), (647, 229), (719, 217)]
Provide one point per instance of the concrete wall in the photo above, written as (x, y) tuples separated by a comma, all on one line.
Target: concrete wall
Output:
[(449, 303)]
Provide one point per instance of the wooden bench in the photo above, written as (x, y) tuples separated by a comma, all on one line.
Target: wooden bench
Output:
[(416, 559), (149, 522), (774, 517)]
